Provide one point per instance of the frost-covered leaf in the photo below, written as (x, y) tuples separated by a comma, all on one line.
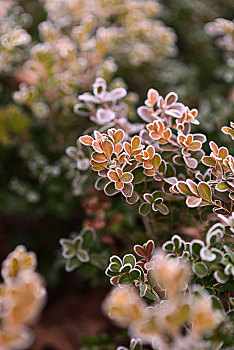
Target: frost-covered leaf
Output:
[(129, 259), (161, 207), (200, 269), (101, 183), (143, 289), (144, 209), (134, 274), (193, 202), (127, 190), (125, 279), (72, 264), (86, 140), (204, 191), (151, 278), (82, 255), (89, 237), (222, 186), (110, 189), (206, 254), (220, 277), (183, 188), (195, 247)]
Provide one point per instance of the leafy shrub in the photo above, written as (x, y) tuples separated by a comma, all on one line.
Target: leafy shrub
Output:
[(144, 182)]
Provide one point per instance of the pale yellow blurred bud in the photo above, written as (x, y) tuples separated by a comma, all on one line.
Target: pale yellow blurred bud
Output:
[(18, 261), (170, 274), (203, 316), (124, 306), (25, 298)]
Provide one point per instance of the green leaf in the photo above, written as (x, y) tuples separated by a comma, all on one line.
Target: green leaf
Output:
[(162, 208), (219, 255), (134, 274), (228, 269), (220, 277), (125, 279), (142, 276), (114, 267), (204, 191), (129, 259), (126, 268), (195, 247), (68, 250), (150, 295), (156, 195), (136, 344), (227, 286), (101, 183), (148, 198), (214, 234), (151, 278), (170, 170), (115, 259), (143, 289), (229, 252), (144, 209), (133, 199), (131, 167), (168, 246), (216, 303), (208, 161), (222, 186), (183, 188), (212, 238), (200, 269), (89, 237), (110, 189), (83, 255), (177, 241), (72, 264), (139, 176), (127, 177), (111, 273)]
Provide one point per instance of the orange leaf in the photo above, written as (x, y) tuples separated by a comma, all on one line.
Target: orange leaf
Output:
[(112, 176), (223, 152), (195, 145), (119, 185), (127, 148), (86, 140), (167, 134), (213, 147), (118, 148), (98, 157), (136, 141), (118, 136), (150, 150), (152, 97), (107, 147)]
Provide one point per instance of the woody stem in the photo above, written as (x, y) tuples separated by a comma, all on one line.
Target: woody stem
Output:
[(148, 228)]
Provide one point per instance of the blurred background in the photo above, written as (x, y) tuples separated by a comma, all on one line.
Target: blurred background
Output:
[(50, 52)]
